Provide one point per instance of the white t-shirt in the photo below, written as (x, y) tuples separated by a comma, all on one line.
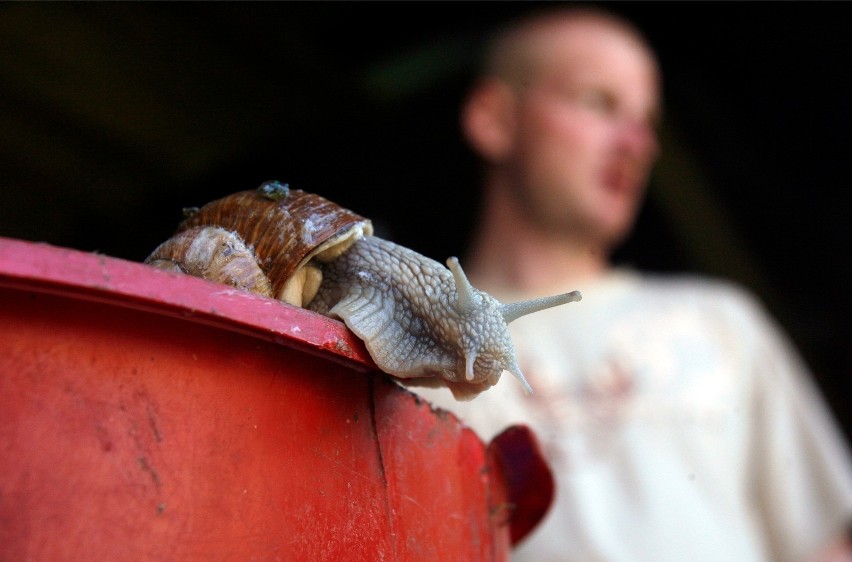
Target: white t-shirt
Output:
[(679, 424)]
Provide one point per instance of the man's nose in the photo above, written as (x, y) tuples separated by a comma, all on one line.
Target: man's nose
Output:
[(638, 138)]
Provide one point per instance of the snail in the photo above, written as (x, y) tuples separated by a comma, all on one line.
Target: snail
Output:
[(421, 322)]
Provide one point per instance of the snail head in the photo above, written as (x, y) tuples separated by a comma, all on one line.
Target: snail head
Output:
[(485, 340)]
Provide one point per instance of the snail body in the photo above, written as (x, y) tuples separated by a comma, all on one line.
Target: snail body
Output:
[(420, 321)]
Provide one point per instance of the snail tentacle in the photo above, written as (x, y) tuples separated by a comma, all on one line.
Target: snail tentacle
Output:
[(513, 311), (467, 300), (515, 369), (469, 360)]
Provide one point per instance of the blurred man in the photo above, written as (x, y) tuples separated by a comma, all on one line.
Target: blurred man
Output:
[(679, 423)]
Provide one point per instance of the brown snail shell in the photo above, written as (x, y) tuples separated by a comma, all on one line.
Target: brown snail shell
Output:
[(263, 241)]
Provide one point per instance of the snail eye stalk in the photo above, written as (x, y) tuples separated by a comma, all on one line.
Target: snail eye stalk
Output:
[(513, 311)]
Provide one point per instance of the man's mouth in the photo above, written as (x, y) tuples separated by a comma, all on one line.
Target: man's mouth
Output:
[(620, 182)]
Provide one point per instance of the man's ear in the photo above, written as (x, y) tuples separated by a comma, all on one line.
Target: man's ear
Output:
[(488, 120)]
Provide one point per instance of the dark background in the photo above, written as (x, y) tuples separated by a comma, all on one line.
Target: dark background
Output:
[(115, 116)]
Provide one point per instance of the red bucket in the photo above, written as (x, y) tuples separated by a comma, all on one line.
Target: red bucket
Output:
[(151, 416)]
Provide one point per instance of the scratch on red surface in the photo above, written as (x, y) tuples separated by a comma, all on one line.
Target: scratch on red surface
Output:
[(338, 465)]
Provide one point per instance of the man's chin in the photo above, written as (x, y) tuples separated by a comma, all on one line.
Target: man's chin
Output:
[(615, 229)]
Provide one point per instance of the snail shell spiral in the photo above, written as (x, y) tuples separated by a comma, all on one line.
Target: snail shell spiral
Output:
[(263, 240)]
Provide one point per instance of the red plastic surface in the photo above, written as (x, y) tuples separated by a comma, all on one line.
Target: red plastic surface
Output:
[(151, 416), (94, 277)]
